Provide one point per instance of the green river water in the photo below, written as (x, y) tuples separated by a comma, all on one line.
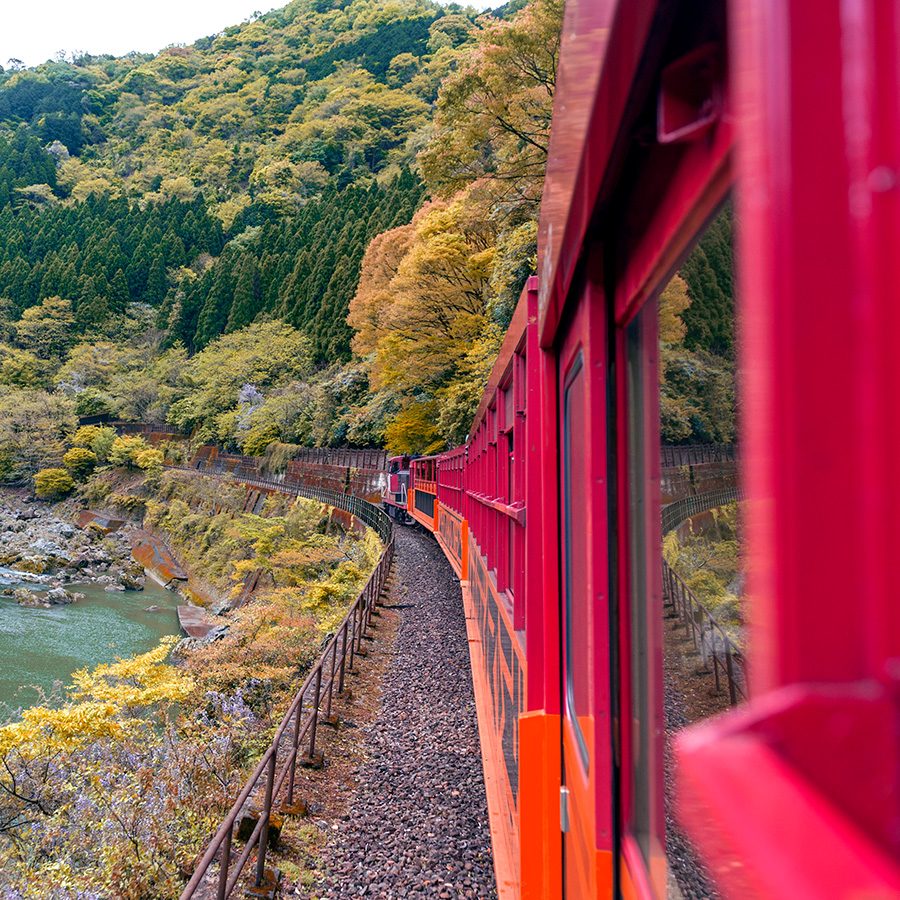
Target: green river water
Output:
[(39, 647)]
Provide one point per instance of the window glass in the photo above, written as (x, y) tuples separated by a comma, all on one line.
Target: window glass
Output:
[(577, 598), (642, 719)]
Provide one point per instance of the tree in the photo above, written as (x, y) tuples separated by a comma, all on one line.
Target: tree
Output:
[(47, 329), (493, 114)]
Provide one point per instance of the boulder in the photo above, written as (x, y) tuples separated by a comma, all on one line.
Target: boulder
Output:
[(131, 582), (24, 597), (60, 596)]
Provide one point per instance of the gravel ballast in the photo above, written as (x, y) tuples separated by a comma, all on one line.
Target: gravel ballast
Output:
[(418, 825)]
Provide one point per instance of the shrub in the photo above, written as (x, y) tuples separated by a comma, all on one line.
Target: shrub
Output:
[(53, 484), (129, 502), (125, 451), (80, 462), (97, 438), (94, 491), (149, 460), (86, 435)]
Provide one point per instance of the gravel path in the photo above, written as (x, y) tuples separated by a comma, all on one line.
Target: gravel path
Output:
[(418, 825), (682, 690)]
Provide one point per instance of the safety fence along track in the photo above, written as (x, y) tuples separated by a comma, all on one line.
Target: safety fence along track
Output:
[(710, 640), (271, 785), (696, 454)]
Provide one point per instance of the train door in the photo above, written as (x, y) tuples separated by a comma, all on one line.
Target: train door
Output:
[(640, 677), (584, 586)]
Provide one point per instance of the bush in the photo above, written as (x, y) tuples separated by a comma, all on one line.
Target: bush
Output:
[(150, 460), (125, 451), (80, 462), (53, 484), (97, 438), (129, 502), (86, 435)]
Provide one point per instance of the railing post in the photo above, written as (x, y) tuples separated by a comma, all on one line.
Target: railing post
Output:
[(224, 865), (315, 713), (729, 669), (295, 748), (267, 814), (343, 657), (331, 681)]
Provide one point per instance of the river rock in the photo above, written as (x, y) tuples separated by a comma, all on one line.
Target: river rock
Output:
[(131, 582), (60, 596), (33, 599), (114, 588)]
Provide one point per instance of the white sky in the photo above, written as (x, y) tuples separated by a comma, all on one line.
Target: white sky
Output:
[(34, 30)]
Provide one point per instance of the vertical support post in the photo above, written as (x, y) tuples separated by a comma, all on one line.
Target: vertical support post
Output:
[(267, 814), (224, 865), (295, 748), (343, 658), (315, 713)]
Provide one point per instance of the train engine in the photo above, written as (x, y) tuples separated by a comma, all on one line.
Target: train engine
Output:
[(394, 496)]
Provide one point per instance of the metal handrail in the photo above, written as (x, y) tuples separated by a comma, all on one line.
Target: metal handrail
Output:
[(298, 730), (673, 514), (708, 636)]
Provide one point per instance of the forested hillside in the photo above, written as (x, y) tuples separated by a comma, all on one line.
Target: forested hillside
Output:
[(353, 186)]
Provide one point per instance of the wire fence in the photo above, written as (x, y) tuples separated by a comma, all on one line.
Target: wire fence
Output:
[(272, 785), (709, 638), (696, 454), (675, 513)]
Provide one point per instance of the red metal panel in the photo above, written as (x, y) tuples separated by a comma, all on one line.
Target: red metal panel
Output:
[(820, 223)]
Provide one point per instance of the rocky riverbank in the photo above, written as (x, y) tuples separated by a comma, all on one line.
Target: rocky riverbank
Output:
[(38, 547)]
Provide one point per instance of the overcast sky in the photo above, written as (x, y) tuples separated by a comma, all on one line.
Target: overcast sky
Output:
[(35, 30)]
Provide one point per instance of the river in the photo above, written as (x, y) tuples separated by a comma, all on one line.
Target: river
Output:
[(41, 646)]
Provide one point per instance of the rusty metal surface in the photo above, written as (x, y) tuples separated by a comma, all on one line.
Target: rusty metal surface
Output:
[(157, 560), (196, 622), (107, 523)]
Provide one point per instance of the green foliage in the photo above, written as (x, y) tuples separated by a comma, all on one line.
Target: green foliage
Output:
[(304, 268), (697, 383), (126, 450), (53, 484), (80, 462), (709, 273), (229, 378), (34, 431), (150, 461), (79, 270), (709, 562)]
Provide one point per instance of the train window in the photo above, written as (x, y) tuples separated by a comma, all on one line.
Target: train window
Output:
[(577, 629), (691, 614)]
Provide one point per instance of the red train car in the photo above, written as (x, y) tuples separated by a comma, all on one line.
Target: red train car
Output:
[(551, 513)]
